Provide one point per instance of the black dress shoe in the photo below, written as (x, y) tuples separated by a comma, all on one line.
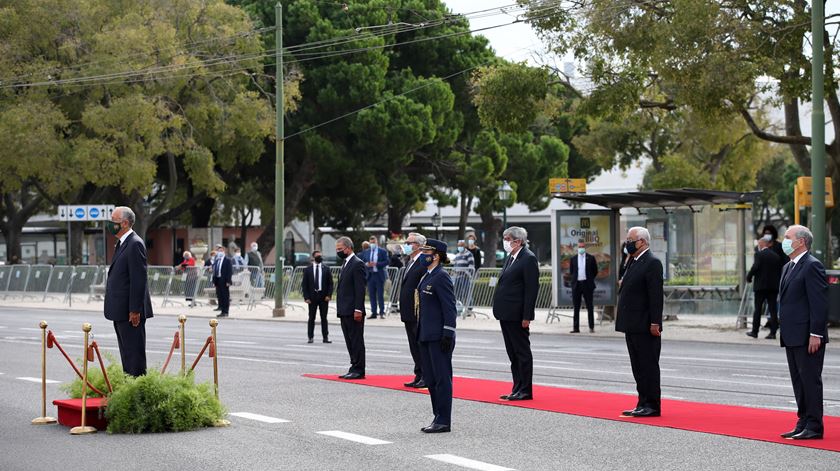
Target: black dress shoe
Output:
[(591, 331), (217, 309), (646, 412), (344, 376), (327, 341), (771, 336), (574, 331), (223, 314), (354, 376), (807, 435), (505, 397), (372, 316), (520, 397), (412, 384), (421, 385), (790, 434), (436, 428), (629, 413), (310, 341), (752, 334)]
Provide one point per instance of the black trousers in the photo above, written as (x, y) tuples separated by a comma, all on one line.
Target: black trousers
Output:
[(769, 297), (644, 359), (318, 303), (581, 290), (222, 294), (437, 373), (806, 376), (132, 343), (414, 347), (518, 346), (354, 337)]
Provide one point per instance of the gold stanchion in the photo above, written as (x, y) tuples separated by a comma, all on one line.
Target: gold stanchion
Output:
[(183, 319), (213, 324), (84, 429), (43, 420)]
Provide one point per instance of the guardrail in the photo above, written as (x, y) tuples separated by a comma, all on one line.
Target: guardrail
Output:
[(253, 287)]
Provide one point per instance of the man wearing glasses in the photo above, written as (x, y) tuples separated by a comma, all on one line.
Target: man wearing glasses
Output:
[(412, 273), (640, 301)]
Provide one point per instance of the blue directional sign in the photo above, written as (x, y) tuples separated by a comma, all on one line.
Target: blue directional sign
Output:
[(94, 213), (79, 213)]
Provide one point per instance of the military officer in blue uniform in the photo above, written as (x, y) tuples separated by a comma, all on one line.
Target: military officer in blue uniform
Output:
[(435, 309)]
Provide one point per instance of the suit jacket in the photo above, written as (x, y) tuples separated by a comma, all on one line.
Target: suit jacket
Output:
[(516, 291), (127, 288), (766, 270), (437, 306), (350, 292), (308, 285), (641, 296), (382, 261), (226, 271), (411, 278), (803, 302), (591, 271)]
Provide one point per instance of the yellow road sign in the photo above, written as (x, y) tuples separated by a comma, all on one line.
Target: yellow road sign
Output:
[(803, 190), (567, 185)]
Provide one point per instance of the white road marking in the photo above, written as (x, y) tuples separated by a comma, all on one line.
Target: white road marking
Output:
[(555, 362), (353, 437), (237, 342), (383, 351), (3, 327), (37, 380), (36, 329), (478, 357), (467, 463), (259, 418), (761, 376), (305, 347)]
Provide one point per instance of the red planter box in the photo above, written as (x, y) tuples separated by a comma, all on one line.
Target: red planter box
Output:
[(70, 412)]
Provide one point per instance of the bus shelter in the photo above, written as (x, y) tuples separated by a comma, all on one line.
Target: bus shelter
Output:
[(700, 236)]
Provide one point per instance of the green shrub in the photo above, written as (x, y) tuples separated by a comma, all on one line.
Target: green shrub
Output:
[(115, 374), (162, 403)]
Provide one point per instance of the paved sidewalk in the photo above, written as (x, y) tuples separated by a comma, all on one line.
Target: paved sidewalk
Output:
[(696, 327)]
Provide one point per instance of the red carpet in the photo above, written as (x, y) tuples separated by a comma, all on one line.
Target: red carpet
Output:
[(733, 421)]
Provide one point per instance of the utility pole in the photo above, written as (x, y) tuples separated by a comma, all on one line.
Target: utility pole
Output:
[(279, 183), (817, 130)]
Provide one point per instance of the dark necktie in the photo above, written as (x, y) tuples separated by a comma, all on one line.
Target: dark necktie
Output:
[(117, 247), (318, 276)]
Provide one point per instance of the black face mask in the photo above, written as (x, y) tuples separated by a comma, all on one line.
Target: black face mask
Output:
[(631, 247), (341, 255), (318, 259)]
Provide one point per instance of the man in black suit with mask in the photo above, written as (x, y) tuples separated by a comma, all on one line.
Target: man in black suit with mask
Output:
[(412, 274), (127, 300), (582, 269), (767, 272), (803, 310), (514, 301), (350, 306), (317, 288), (640, 302)]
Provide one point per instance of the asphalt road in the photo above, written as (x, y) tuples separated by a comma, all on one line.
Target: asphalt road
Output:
[(261, 367)]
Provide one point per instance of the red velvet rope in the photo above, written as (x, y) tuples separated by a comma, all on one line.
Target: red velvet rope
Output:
[(51, 340), (176, 342), (95, 347), (208, 342)]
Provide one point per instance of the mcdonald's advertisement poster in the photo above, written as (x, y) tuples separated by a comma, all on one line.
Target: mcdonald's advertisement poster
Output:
[(596, 230)]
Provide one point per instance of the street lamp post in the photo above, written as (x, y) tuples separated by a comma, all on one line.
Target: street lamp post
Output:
[(436, 223), (505, 191)]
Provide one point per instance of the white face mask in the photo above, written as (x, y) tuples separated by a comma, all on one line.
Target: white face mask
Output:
[(507, 246)]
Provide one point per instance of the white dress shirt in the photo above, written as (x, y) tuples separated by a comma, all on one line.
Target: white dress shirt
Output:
[(582, 267)]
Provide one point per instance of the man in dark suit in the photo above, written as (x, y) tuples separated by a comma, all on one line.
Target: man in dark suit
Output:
[(767, 272), (376, 262), (582, 271), (317, 287), (803, 311), (640, 301), (436, 332), (127, 300), (350, 306), (411, 278), (514, 301), (222, 279)]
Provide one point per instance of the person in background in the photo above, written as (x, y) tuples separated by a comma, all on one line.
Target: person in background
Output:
[(583, 269), (472, 247), (236, 256), (254, 261), (190, 283), (464, 265), (317, 288), (765, 275), (222, 279), (376, 263)]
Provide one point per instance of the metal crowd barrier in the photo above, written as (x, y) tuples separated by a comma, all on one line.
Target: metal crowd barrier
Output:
[(39, 278), (58, 286), (18, 278)]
